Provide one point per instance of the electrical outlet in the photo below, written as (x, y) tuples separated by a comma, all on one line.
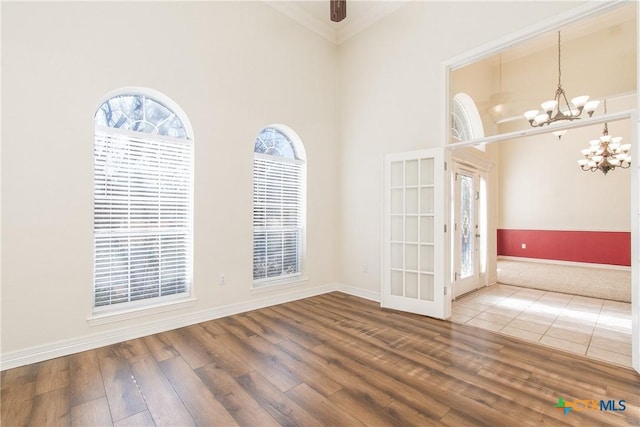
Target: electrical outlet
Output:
[(524, 246), (365, 268), (222, 279)]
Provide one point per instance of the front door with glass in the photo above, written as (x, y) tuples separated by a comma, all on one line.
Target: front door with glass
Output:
[(466, 231)]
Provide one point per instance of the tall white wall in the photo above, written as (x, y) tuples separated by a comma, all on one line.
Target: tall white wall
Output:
[(233, 67), (392, 100)]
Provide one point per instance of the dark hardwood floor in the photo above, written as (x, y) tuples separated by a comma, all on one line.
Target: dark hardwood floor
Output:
[(330, 360)]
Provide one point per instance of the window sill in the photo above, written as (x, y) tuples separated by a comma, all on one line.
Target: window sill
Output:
[(103, 318), (291, 282)]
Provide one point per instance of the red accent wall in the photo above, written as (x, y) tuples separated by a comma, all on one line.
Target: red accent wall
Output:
[(599, 247)]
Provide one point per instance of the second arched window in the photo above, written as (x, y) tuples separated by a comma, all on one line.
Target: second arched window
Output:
[(278, 205)]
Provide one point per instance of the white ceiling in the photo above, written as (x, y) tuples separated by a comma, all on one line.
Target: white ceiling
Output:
[(314, 14)]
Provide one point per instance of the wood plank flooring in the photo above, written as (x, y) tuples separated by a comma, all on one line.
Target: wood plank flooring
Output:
[(329, 360)]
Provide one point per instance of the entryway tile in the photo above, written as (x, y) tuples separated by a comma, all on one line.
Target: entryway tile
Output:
[(598, 328), (609, 356), (611, 345)]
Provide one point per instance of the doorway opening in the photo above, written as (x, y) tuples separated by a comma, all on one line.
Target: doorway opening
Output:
[(508, 126)]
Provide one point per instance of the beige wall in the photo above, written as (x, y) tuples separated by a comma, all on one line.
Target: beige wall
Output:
[(233, 67), (392, 101), (543, 188)]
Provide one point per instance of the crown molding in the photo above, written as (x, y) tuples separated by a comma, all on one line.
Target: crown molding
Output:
[(298, 14), (373, 15)]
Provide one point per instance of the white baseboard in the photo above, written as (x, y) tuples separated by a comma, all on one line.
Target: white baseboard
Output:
[(88, 342), (358, 292), (567, 263)]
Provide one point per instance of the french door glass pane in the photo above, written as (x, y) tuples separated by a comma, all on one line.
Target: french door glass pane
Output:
[(411, 257), (426, 200), (426, 287), (397, 286), (411, 229), (426, 258), (396, 228), (411, 173), (427, 175), (426, 229), (411, 285), (411, 201), (396, 255), (397, 201)]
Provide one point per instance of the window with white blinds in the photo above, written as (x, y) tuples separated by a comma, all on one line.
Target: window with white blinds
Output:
[(142, 204), (278, 222)]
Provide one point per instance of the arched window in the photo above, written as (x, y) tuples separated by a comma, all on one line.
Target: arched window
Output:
[(466, 123), (143, 186), (278, 205)]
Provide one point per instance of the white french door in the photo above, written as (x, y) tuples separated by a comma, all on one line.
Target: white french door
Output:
[(413, 232), (466, 231)]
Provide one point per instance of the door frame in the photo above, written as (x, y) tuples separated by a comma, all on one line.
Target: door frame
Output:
[(466, 158), (473, 280), (575, 14), (481, 244)]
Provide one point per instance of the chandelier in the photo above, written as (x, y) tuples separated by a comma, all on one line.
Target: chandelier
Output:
[(559, 108), (606, 153)]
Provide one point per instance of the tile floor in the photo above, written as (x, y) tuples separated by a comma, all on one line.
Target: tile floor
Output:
[(589, 326)]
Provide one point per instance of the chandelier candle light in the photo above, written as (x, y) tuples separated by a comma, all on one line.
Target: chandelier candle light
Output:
[(558, 108), (606, 153)]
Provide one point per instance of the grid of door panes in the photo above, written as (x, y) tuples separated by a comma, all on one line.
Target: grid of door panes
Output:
[(412, 229)]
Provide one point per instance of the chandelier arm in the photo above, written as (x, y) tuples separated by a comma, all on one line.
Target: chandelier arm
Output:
[(566, 101)]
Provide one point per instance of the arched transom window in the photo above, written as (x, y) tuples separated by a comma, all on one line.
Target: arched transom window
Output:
[(466, 123), (143, 167)]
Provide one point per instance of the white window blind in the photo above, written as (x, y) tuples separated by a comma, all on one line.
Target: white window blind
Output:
[(277, 217), (142, 216)]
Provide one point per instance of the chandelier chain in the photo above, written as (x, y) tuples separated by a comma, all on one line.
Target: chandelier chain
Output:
[(559, 67), (606, 127)]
